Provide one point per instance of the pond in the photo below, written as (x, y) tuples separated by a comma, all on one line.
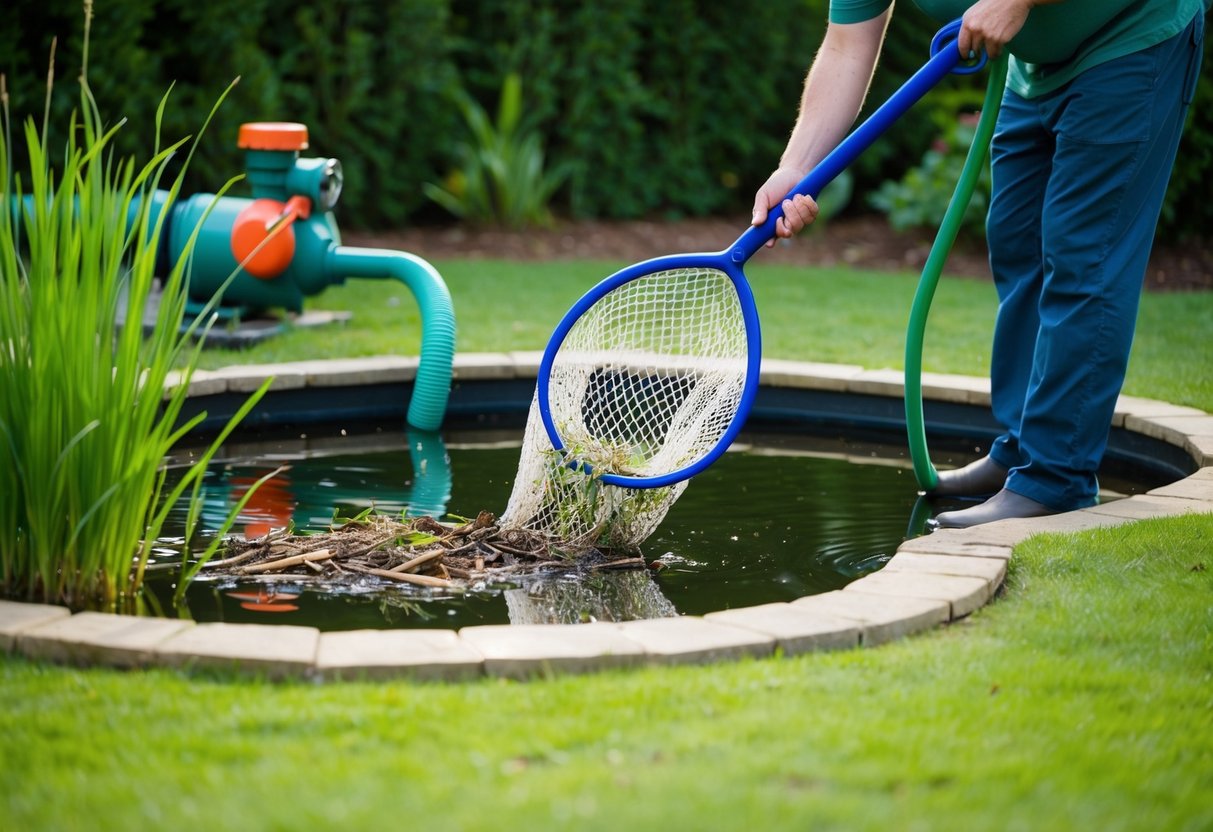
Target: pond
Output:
[(780, 516)]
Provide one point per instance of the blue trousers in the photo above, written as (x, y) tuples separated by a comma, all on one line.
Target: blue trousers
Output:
[(1079, 177)]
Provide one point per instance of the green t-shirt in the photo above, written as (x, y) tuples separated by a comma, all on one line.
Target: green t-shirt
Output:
[(1060, 40)]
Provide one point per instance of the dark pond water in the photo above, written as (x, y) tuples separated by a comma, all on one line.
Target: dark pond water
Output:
[(777, 518)]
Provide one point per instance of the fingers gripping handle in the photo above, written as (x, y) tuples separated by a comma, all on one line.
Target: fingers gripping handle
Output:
[(944, 59)]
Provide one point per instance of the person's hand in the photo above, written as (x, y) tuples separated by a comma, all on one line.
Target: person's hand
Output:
[(990, 24), (797, 212)]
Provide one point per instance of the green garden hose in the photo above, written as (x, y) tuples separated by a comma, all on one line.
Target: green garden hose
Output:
[(924, 471)]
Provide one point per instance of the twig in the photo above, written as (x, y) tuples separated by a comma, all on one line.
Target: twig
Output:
[(406, 577), (232, 561), (372, 546), (483, 520), (293, 560), (467, 547), (410, 578), (424, 557), (513, 550)]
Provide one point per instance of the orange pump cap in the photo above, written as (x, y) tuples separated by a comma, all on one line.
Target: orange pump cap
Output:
[(272, 135)]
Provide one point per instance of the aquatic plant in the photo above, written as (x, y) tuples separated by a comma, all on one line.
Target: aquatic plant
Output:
[(89, 408)]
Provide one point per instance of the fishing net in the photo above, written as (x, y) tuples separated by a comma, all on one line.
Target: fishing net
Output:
[(645, 383)]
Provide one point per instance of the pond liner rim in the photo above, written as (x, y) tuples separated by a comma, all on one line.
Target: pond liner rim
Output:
[(930, 581)]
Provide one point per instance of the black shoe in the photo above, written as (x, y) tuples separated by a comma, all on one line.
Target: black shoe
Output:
[(1005, 505), (977, 479)]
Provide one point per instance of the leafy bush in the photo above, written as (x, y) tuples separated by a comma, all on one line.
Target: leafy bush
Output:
[(681, 110), (367, 79), (501, 176), (370, 81), (921, 197), (1188, 211)]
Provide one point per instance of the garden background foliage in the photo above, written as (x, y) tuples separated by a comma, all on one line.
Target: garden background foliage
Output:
[(649, 109)]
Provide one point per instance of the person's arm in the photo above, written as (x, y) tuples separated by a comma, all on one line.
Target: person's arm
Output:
[(990, 24), (834, 91)]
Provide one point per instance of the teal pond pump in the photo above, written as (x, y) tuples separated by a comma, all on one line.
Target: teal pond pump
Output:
[(283, 245)]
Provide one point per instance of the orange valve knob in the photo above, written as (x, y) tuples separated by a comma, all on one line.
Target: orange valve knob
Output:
[(272, 135), (263, 240)]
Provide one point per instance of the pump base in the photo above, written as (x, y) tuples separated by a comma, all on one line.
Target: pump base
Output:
[(239, 326), (240, 332)]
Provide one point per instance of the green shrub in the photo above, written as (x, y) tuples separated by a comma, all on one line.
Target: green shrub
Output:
[(500, 177), (679, 112), (678, 109), (370, 81), (921, 197), (366, 78), (1188, 211)]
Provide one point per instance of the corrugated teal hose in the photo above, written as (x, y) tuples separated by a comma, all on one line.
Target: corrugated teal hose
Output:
[(433, 385), (924, 471)]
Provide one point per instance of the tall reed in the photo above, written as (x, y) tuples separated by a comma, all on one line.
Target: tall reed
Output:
[(88, 408)]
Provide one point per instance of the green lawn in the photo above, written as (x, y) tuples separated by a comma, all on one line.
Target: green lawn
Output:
[(833, 315), (1080, 699)]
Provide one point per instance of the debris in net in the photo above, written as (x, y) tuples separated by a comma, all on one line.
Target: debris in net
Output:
[(419, 551)]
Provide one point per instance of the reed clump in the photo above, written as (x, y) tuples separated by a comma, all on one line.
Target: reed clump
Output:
[(89, 408)]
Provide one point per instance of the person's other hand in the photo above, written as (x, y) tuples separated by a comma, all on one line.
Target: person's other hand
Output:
[(798, 212), (990, 24)]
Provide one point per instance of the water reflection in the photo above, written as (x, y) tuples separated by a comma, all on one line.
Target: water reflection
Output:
[(617, 596), (775, 519), (307, 493), (266, 599)]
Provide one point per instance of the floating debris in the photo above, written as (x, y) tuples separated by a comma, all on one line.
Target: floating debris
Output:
[(419, 551)]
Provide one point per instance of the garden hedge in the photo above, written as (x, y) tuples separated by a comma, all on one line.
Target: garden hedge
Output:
[(659, 109)]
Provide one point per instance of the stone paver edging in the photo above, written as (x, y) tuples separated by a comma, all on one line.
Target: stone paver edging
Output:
[(931, 580)]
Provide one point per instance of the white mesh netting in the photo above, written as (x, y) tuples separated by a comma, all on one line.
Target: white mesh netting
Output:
[(646, 383)]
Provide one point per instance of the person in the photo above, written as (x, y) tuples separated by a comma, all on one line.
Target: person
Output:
[(1087, 133)]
